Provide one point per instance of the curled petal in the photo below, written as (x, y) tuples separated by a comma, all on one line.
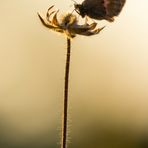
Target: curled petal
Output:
[(45, 23), (48, 15), (92, 26), (50, 8), (89, 32), (98, 30), (54, 19), (42, 20)]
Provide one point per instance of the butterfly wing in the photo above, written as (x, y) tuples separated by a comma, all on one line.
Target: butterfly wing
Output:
[(114, 7), (94, 9), (103, 9)]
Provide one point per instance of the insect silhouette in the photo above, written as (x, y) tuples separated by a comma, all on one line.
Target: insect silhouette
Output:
[(100, 9)]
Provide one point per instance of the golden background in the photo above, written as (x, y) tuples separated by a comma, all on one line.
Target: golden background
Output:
[(108, 100)]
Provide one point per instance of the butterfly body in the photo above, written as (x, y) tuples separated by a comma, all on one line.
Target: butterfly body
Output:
[(100, 9)]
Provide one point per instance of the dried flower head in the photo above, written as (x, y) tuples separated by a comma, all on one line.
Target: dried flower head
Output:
[(68, 24)]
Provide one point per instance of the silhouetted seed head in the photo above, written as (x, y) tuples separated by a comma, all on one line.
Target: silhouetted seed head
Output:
[(68, 24)]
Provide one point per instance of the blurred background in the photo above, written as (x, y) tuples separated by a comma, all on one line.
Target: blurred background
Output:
[(108, 98)]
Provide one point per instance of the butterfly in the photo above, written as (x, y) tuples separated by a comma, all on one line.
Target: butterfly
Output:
[(100, 9)]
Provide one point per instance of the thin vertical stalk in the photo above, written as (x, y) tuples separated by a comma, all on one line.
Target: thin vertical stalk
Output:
[(65, 107)]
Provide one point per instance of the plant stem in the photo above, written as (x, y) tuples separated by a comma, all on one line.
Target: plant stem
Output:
[(65, 107)]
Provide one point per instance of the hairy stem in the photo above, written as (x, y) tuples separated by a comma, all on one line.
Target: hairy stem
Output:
[(65, 107)]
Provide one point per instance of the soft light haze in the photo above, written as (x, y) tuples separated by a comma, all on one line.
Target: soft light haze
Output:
[(108, 74)]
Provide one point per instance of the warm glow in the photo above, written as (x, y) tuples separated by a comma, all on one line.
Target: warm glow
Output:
[(108, 78)]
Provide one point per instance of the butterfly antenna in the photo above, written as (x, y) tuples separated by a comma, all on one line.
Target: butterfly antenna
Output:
[(75, 3), (72, 12)]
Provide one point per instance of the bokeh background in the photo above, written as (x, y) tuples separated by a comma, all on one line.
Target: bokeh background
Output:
[(108, 100)]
